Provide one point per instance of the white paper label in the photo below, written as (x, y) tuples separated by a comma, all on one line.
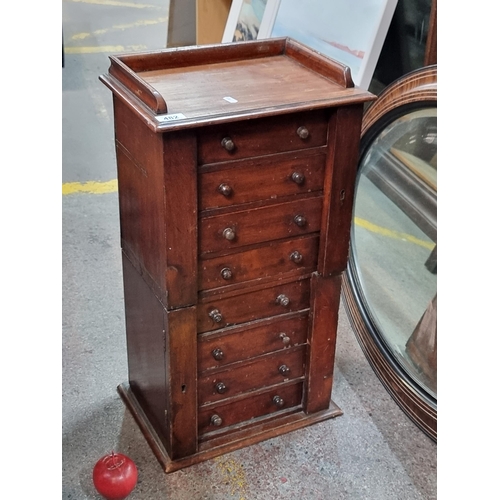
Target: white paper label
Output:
[(230, 99), (170, 117)]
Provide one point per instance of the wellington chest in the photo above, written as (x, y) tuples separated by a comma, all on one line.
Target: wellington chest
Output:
[(236, 168)]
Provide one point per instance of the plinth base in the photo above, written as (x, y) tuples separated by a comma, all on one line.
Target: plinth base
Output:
[(255, 433)]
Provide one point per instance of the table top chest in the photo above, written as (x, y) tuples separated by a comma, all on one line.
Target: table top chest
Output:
[(236, 168)]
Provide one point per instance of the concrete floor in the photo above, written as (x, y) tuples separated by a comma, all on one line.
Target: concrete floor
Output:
[(372, 452)]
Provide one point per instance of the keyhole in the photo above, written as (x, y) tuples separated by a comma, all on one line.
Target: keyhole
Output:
[(342, 195), (183, 388)]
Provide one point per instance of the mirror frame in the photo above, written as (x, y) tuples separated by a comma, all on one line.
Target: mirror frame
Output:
[(414, 91)]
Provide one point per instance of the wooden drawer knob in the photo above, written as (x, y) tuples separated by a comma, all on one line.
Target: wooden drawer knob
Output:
[(285, 338), (216, 420), (220, 387), (282, 300), (284, 370), (300, 220), (228, 144), (298, 178), (278, 401), (229, 234), (296, 257), (215, 315), (218, 354), (302, 132), (226, 273), (225, 189)]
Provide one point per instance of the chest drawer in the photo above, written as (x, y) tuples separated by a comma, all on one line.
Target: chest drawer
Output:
[(299, 255), (260, 179), (216, 350), (247, 227), (222, 415), (264, 136), (260, 372), (280, 299)]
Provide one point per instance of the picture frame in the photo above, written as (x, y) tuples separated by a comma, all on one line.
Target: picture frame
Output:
[(352, 33), (250, 20)]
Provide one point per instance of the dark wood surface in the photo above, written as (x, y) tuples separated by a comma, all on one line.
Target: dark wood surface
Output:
[(256, 179), (273, 317), (271, 259), (418, 87), (243, 342), (250, 375)]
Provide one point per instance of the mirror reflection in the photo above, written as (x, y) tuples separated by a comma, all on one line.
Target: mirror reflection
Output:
[(394, 241)]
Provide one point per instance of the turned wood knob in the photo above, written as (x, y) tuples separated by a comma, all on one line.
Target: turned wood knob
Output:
[(282, 300), (216, 420), (296, 257), (229, 234), (225, 189), (218, 354), (285, 338), (300, 220), (228, 144), (226, 273), (278, 401), (298, 178), (220, 387), (302, 132), (284, 370), (215, 315)]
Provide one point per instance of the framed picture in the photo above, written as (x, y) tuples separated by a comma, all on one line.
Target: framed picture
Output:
[(351, 32), (250, 20)]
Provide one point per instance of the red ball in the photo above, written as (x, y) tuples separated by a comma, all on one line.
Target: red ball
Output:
[(115, 476)]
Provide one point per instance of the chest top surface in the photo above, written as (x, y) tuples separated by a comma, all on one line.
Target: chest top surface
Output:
[(202, 85)]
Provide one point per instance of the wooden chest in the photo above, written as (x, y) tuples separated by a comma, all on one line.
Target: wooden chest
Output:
[(236, 169)]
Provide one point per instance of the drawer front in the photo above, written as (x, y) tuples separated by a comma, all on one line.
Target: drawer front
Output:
[(217, 350), (236, 412), (248, 227), (264, 136), (258, 373), (263, 179), (299, 255), (218, 313)]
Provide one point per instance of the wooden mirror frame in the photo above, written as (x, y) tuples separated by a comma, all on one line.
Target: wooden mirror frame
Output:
[(415, 90)]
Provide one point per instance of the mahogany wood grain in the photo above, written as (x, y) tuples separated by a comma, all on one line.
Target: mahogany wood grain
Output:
[(248, 408), (234, 344), (321, 64), (142, 89), (139, 156), (257, 373), (338, 195), (181, 218), (259, 179), (183, 57), (253, 305), (271, 259), (251, 226), (182, 372), (145, 323), (252, 138), (289, 110), (325, 300)]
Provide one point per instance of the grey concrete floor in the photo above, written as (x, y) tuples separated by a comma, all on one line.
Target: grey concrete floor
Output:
[(372, 452)]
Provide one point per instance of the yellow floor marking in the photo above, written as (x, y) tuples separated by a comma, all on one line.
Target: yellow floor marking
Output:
[(120, 27), (94, 187), (91, 187), (103, 48), (234, 475), (116, 3), (392, 234)]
